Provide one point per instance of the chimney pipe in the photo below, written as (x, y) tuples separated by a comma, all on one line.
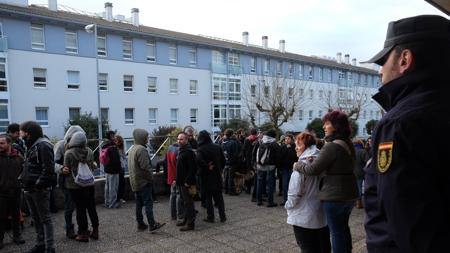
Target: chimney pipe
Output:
[(108, 11), (282, 46), (135, 16), (339, 57), (265, 41), (53, 5), (245, 38), (347, 59), (354, 61)]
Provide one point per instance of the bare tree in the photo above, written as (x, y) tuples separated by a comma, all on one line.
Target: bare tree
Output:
[(278, 98), (350, 100)]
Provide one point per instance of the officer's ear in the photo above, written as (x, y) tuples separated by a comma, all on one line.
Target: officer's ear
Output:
[(405, 61)]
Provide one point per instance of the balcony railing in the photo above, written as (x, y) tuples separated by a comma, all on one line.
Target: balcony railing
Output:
[(221, 68)]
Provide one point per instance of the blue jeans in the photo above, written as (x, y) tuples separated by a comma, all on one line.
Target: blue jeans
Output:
[(144, 199), (69, 207), (270, 177), (286, 172), (111, 190), (338, 213), (176, 203)]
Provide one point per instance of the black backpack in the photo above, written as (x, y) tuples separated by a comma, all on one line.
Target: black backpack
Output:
[(265, 154)]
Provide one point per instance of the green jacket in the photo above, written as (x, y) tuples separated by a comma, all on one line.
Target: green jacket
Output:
[(139, 164), (334, 166)]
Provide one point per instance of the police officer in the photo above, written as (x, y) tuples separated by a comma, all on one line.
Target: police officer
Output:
[(407, 188)]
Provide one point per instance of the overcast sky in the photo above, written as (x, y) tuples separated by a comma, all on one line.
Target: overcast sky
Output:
[(310, 27)]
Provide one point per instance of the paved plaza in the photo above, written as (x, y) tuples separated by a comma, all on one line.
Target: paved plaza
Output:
[(249, 228)]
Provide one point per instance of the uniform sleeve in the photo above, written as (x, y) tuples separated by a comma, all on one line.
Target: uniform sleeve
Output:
[(413, 191), (294, 191), (321, 163)]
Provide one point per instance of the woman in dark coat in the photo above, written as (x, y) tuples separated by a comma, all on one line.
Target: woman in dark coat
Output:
[(210, 163)]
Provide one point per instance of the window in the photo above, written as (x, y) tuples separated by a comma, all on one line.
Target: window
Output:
[(173, 86), (127, 49), (193, 114), (310, 114), (42, 116), (279, 68), (37, 37), (300, 115), (341, 75), (219, 114), (320, 94), (253, 90), (152, 115), (151, 51), (129, 116), (151, 84), (300, 71), (173, 115), (173, 54), (291, 92), (219, 88), (40, 79), (233, 59), (371, 114), (218, 57), (104, 114), (301, 93), (73, 80), (291, 69), (234, 111), (266, 91), (71, 42), (349, 75), (320, 74), (3, 83), (101, 45), (103, 81), (377, 115), (193, 87), (74, 113), (266, 66), (192, 56), (329, 75), (320, 113), (311, 94), (127, 83), (252, 64), (4, 119), (234, 89), (310, 73)]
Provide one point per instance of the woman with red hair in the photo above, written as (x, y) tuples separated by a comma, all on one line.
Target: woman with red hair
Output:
[(337, 183)]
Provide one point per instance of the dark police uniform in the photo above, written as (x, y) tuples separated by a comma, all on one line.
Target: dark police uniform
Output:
[(407, 187)]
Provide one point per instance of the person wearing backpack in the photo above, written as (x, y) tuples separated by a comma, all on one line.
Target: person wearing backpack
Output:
[(110, 159), (37, 177), (267, 158), (78, 156)]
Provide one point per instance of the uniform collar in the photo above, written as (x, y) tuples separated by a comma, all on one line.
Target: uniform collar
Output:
[(394, 91)]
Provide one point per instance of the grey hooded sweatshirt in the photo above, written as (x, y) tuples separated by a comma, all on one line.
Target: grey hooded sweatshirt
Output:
[(139, 166), (59, 148), (77, 151)]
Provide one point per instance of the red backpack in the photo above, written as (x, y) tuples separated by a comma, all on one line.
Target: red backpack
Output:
[(104, 157)]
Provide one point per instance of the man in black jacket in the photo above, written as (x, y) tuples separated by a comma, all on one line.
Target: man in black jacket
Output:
[(10, 167), (407, 190), (37, 177), (185, 180), (210, 161), (231, 149)]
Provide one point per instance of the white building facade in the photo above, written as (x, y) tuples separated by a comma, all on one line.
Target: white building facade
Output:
[(150, 77)]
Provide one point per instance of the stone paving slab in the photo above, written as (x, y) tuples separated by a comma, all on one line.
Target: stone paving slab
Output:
[(249, 228)]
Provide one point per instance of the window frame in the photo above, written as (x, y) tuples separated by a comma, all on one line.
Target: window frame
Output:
[(151, 56), (172, 120), (152, 87), (77, 111), (34, 27), (192, 55), (42, 122), (70, 85), (173, 90), (195, 90), (173, 52), (127, 54), (126, 86), (193, 118), (104, 51), (153, 121), (129, 121), (103, 86), (70, 49), (40, 84)]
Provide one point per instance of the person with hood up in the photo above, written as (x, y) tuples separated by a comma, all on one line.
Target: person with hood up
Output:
[(267, 157), (141, 178), (211, 161), (83, 197), (59, 149)]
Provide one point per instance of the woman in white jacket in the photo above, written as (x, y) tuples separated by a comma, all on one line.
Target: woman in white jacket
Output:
[(305, 212)]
